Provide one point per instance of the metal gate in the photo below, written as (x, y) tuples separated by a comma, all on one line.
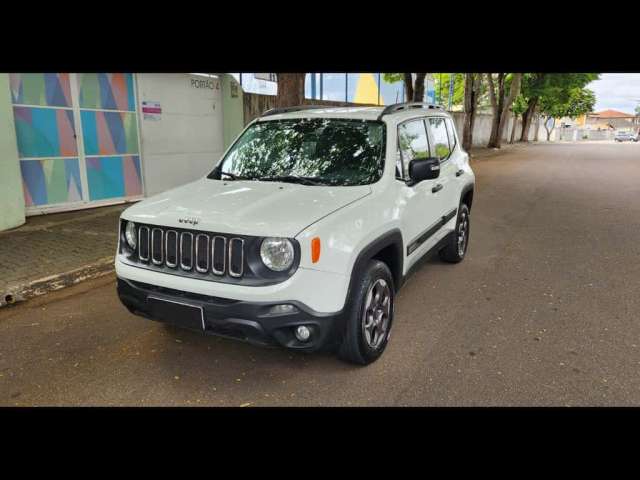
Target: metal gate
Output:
[(78, 139)]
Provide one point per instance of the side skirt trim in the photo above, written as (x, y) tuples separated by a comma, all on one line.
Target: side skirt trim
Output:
[(423, 237), (426, 255)]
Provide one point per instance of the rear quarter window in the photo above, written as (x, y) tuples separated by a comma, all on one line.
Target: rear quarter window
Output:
[(451, 132)]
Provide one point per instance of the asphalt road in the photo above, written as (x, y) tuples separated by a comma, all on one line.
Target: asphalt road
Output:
[(545, 310)]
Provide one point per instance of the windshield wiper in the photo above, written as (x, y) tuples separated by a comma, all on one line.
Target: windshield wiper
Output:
[(233, 176), (292, 179)]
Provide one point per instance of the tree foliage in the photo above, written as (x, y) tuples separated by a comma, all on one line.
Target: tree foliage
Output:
[(442, 82), (519, 105), (566, 103), (537, 86), (571, 103)]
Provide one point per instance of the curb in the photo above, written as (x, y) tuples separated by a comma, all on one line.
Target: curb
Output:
[(42, 286)]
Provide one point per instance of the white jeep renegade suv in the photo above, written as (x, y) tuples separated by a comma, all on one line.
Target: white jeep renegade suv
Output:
[(305, 230)]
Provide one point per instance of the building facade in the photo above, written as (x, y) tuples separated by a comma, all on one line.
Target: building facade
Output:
[(611, 120), (71, 141), (365, 88)]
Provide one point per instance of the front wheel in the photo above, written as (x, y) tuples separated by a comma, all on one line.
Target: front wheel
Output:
[(369, 315), (456, 248)]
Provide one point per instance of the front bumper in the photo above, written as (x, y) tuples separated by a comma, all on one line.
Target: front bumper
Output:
[(321, 291), (248, 321)]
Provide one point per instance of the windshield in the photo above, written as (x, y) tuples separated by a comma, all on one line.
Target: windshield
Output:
[(308, 151)]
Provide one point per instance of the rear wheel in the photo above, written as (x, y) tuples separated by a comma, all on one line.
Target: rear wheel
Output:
[(369, 316), (456, 248)]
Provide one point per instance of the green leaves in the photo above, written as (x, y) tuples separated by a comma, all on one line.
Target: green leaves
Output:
[(554, 87), (571, 102)]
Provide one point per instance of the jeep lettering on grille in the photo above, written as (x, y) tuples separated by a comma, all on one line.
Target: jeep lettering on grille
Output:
[(191, 220)]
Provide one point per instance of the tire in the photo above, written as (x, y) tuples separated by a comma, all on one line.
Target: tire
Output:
[(455, 251), (360, 344)]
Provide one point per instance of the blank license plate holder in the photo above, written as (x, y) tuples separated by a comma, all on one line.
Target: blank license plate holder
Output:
[(177, 313)]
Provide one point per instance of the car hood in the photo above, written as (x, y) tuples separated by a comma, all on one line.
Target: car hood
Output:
[(244, 207)]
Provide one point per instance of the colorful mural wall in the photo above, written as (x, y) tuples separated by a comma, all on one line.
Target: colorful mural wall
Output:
[(107, 91), (51, 181), (49, 89), (110, 177), (52, 157)]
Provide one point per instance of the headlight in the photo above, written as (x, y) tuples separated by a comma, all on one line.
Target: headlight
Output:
[(130, 235), (277, 253)]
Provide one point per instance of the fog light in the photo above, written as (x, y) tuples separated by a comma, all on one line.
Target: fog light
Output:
[(303, 333), (282, 309)]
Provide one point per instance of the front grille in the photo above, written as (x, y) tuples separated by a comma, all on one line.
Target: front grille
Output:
[(190, 251)]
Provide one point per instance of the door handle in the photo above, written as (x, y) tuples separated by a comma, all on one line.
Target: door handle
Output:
[(437, 188), (459, 172)]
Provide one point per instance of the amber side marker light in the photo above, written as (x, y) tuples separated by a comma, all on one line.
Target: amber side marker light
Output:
[(315, 249)]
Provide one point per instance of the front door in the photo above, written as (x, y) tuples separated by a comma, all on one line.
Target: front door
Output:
[(422, 203)]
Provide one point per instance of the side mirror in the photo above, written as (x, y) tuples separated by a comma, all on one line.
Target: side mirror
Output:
[(424, 169)]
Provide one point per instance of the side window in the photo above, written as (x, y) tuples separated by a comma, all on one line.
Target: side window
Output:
[(441, 146), (412, 143), (452, 134)]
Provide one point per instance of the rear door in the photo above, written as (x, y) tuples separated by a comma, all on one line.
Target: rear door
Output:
[(445, 147)]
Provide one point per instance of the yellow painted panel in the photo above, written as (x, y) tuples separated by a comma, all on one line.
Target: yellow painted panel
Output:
[(367, 89)]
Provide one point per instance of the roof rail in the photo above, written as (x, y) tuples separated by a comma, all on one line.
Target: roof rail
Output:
[(406, 105), (276, 111)]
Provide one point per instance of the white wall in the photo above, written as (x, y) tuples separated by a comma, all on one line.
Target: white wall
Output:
[(187, 140), (482, 129)]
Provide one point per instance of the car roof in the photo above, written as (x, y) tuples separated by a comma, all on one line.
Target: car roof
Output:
[(356, 113)]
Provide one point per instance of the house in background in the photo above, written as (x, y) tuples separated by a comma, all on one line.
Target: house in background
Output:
[(610, 120)]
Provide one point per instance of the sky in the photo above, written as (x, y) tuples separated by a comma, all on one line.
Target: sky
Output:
[(618, 91)]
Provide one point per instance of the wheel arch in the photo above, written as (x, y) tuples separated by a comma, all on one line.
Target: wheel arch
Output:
[(388, 248), (466, 196)]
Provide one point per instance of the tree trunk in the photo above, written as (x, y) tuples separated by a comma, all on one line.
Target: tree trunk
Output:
[(470, 103), (526, 118), (500, 104), (494, 107), (408, 87), (537, 120), (514, 90), (290, 90), (418, 88), (513, 128)]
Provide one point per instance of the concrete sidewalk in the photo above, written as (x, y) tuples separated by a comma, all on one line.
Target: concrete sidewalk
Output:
[(53, 251)]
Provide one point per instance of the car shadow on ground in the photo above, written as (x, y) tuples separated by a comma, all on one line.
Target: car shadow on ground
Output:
[(206, 349)]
